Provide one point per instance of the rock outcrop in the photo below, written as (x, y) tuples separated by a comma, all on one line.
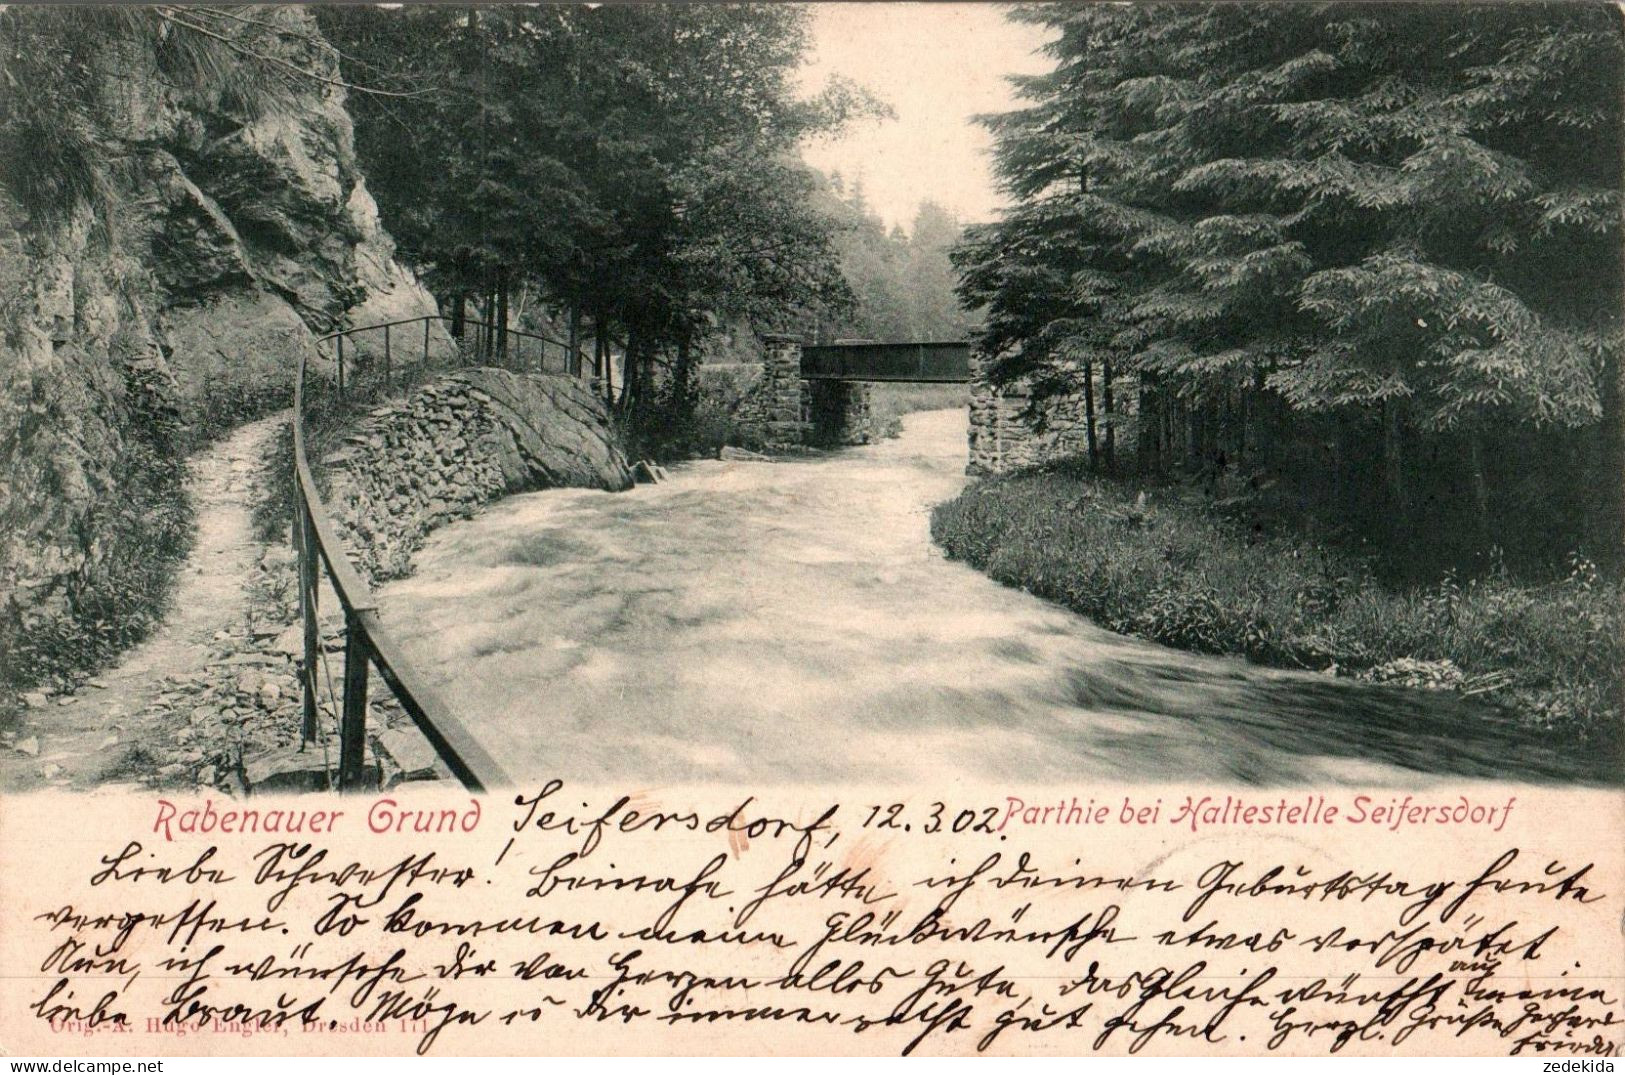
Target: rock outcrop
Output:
[(223, 240), (457, 443)]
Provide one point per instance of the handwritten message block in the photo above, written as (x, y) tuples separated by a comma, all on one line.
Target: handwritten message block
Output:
[(572, 919)]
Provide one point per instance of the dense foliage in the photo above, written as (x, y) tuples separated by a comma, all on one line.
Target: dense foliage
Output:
[(1364, 257), (903, 281), (1169, 569), (636, 164)]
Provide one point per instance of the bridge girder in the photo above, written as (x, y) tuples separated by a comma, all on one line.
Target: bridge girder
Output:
[(946, 362)]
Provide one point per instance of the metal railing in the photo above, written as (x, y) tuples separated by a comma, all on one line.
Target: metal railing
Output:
[(368, 643), (488, 346)]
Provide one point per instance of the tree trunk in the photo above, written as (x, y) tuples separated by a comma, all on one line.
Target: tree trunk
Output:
[(1173, 427), (603, 361), (1089, 414), (1111, 416), (1234, 428), (459, 315), (1166, 406), (502, 314), (1256, 414), (490, 324), (1340, 497), (1393, 465), (683, 370), (1196, 439), (1481, 493)]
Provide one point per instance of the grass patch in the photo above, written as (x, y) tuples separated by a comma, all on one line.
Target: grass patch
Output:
[(145, 533), (1160, 563)]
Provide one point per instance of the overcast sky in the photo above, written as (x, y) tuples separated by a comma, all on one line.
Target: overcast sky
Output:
[(937, 65)]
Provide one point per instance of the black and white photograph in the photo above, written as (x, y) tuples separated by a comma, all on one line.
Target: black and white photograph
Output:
[(809, 392), (811, 529)]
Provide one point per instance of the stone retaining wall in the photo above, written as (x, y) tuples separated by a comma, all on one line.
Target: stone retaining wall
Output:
[(457, 443)]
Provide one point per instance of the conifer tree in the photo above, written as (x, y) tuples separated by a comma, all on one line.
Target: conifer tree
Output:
[(1394, 227)]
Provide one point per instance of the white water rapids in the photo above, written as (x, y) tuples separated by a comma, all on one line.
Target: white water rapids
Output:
[(792, 622)]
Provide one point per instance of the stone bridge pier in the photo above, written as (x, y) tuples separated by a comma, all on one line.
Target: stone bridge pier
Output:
[(1010, 428), (788, 409)]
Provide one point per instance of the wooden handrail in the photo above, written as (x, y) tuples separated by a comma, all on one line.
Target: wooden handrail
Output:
[(367, 642)]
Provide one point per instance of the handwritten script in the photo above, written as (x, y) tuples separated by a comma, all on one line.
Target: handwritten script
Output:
[(562, 918)]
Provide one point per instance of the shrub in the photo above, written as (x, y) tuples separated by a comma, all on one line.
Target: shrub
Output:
[(134, 542), (668, 426)]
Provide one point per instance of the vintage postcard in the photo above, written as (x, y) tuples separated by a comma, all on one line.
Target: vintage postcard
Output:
[(819, 529)]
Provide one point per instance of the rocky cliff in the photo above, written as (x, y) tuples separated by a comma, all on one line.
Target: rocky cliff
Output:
[(171, 242)]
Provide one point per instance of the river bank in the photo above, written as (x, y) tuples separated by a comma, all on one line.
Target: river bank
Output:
[(1162, 565)]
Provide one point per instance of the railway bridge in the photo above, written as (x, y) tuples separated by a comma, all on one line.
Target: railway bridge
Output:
[(820, 395)]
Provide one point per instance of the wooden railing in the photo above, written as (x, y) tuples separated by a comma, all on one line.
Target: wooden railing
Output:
[(368, 643)]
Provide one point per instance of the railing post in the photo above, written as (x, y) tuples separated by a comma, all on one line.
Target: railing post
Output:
[(305, 542), (425, 340), (389, 378), (519, 351), (353, 725), (341, 366)]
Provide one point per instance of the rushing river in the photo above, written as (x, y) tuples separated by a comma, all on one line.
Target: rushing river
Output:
[(792, 622)]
